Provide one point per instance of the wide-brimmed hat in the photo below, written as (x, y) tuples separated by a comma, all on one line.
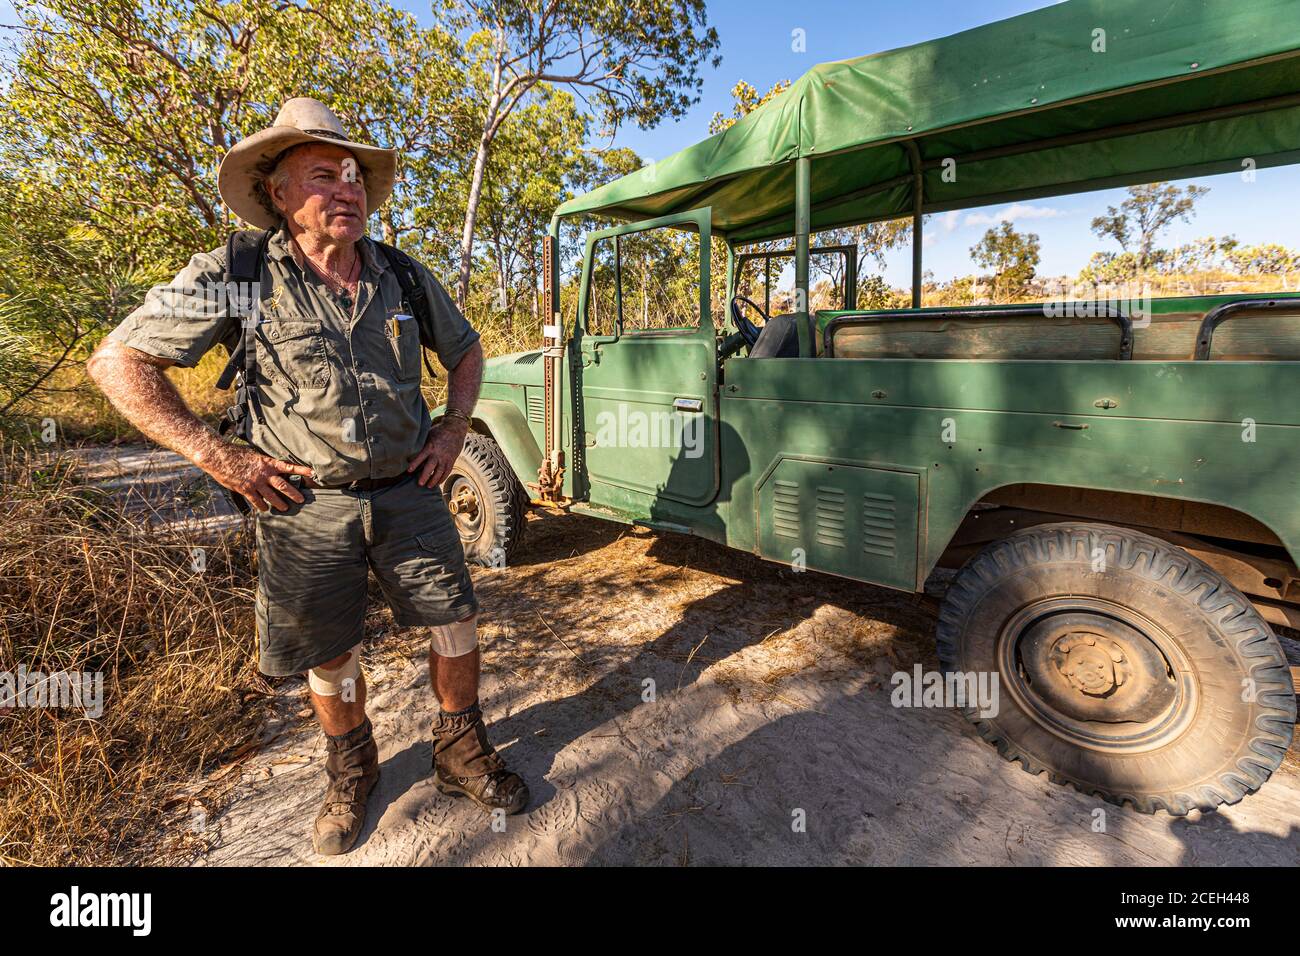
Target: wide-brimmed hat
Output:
[(300, 120)]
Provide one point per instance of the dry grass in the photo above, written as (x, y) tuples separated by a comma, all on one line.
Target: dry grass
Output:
[(83, 590)]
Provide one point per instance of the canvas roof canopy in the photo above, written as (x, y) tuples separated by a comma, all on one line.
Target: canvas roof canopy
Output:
[(1040, 104)]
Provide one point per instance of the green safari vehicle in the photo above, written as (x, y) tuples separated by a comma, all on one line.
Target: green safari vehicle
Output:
[(1118, 485)]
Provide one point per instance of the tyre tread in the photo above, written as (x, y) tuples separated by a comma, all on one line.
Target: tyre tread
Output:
[(1171, 567), (508, 494)]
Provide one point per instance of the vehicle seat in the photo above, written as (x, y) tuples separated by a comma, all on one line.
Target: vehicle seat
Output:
[(779, 339)]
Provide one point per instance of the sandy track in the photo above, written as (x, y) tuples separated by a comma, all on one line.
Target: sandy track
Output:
[(768, 702), (771, 698)]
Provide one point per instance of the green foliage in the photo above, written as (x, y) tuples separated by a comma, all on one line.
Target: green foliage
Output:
[(958, 292), (875, 293), (535, 159), (1013, 258), (126, 108), (747, 99), (873, 240), (1137, 222), (1269, 259), (655, 273), (1199, 255), (1110, 269), (62, 283)]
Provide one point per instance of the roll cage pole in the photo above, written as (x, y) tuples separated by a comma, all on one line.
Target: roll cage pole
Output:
[(918, 219), (802, 218)]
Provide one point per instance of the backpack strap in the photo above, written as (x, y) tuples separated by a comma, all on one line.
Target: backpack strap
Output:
[(245, 262), (413, 294)]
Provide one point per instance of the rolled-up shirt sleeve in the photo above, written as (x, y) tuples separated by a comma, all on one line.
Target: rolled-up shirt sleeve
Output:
[(182, 319), (451, 334)]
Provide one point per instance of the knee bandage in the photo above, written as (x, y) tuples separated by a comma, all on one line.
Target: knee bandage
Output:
[(332, 683), (454, 640)]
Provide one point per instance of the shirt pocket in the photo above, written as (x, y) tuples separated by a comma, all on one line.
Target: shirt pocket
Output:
[(295, 351), (405, 347)]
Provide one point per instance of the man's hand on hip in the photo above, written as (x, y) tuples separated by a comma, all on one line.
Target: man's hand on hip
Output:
[(440, 451), (259, 478)]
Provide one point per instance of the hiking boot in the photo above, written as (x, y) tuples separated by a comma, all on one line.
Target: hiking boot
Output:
[(353, 770), (465, 764)]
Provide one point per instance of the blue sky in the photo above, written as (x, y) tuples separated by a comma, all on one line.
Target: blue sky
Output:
[(756, 47)]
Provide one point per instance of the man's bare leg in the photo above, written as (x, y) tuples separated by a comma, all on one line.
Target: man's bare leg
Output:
[(336, 714), (455, 679)]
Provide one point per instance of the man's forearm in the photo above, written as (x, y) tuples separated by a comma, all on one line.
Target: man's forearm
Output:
[(138, 386), (465, 380)]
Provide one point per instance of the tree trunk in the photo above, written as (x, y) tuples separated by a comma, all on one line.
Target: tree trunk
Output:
[(480, 170), (471, 216), (503, 286)]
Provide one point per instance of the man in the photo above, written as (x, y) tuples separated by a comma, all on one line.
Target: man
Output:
[(346, 472)]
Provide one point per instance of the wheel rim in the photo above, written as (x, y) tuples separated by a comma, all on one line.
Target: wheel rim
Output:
[(465, 504), (1098, 674)]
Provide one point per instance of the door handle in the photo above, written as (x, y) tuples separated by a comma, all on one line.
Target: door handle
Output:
[(1070, 426), (688, 405)]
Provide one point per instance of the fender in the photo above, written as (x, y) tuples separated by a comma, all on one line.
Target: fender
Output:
[(505, 424)]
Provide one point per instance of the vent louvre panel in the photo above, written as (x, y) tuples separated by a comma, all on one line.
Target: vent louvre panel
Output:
[(879, 524), (785, 509), (536, 407), (831, 519), (856, 521)]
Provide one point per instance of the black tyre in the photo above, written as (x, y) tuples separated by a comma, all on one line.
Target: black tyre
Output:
[(1126, 667), (487, 502)]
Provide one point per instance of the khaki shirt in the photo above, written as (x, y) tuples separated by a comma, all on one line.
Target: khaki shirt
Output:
[(339, 390)]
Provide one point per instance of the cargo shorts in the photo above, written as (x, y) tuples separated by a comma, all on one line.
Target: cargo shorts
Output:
[(314, 559)]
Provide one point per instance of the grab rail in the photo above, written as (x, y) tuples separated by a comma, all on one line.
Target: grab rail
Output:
[(1216, 317)]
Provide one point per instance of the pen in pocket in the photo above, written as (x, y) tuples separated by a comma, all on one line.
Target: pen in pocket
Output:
[(396, 322)]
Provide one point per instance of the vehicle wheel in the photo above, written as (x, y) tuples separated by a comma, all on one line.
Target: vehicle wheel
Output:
[(487, 502), (1126, 667)]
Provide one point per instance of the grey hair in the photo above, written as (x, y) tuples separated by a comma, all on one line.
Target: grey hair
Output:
[(270, 170)]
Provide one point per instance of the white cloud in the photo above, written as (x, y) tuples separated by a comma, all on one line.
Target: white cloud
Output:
[(1012, 213)]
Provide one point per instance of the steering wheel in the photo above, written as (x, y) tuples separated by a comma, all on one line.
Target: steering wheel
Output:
[(748, 330)]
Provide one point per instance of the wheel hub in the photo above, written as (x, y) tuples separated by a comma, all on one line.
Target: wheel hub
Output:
[(1093, 664), (466, 507), (1090, 667), (464, 502)]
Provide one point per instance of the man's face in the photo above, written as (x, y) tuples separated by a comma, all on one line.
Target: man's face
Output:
[(323, 193)]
